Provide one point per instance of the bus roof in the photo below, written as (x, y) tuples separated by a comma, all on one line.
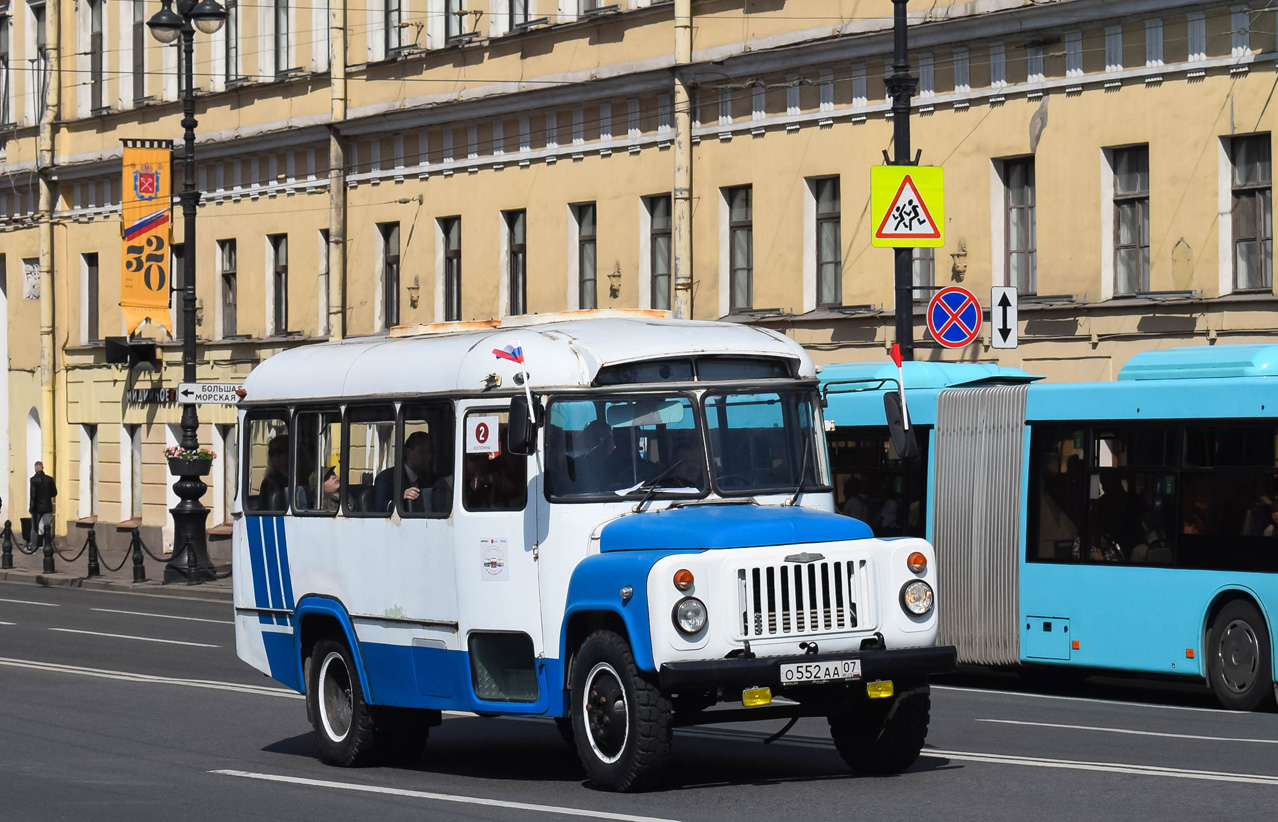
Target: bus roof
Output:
[(1203, 362), (559, 353), (926, 374)]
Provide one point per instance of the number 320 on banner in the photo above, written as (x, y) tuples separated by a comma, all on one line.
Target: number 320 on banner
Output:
[(148, 259)]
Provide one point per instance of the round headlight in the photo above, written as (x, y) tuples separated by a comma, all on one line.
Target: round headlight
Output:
[(690, 615), (917, 597)]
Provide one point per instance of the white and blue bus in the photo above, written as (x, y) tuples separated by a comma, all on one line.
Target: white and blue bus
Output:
[(622, 522), (1128, 525)]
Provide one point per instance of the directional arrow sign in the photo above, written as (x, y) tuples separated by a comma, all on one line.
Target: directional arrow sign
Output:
[(1003, 316), (208, 393)]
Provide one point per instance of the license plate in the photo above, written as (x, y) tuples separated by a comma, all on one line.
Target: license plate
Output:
[(825, 671)]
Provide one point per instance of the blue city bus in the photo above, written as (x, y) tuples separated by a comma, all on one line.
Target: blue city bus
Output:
[(1128, 525)]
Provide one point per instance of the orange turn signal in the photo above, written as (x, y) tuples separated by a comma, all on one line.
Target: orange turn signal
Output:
[(1077, 645), (1189, 653), (917, 562), (683, 579)]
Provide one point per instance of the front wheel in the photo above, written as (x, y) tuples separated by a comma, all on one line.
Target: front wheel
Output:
[(620, 719), (1239, 666), (884, 736)]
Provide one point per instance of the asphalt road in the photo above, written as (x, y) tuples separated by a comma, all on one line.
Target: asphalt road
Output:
[(126, 707)]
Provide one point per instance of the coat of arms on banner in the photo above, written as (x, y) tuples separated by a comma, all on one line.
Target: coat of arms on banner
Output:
[(146, 182)]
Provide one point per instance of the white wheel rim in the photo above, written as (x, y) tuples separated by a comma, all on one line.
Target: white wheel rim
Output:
[(603, 668), (329, 689)]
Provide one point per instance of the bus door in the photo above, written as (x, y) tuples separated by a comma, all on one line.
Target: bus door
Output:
[(497, 580)]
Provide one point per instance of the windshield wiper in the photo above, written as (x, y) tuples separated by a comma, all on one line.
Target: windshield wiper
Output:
[(652, 484), (803, 471)]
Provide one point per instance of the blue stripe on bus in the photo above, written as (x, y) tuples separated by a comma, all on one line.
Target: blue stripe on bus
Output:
[(273, 588), (285, 576), (257, 559)]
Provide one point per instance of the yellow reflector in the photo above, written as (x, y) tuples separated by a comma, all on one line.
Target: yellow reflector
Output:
[(879, 690), (755, 697)]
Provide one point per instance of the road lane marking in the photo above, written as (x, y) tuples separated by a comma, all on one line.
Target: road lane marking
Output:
[(442, 797), (125, 676), (165, 616), (1027, 761), (139, 638), (30, 602), (1094, 700), (1131, 731), (1105, 767), (8, 623)]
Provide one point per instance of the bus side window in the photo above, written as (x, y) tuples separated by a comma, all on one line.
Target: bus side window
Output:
[(1058, 474), (368, 482), (492, 478), (316, 472), (425, 486), (266, 454)]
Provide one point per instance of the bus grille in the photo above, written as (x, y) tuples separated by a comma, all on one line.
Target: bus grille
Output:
[(793, 599)]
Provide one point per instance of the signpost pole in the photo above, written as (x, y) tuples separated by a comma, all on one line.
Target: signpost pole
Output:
[(901, 86)]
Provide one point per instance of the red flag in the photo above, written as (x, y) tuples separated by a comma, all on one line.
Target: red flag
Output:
[(896, 354)]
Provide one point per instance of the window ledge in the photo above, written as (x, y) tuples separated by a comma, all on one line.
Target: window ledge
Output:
[(223, 530), (129, 524), (90, 520)]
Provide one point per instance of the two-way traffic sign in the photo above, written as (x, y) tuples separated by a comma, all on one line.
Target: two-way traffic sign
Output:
[(1003, 316), (208, 393)]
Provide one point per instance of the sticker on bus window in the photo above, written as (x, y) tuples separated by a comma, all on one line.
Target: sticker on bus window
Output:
[(492, 554), (481, 435)]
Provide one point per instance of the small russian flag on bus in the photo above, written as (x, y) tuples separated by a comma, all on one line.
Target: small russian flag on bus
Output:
[(514, 353)]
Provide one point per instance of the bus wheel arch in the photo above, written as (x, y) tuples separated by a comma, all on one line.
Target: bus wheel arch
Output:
[(1238, 651), (320, 618), (581, 624)]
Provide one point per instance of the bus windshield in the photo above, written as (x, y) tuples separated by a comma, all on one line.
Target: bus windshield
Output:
[(622, 446)]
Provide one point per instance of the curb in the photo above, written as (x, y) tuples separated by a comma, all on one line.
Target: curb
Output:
[(214, 592)]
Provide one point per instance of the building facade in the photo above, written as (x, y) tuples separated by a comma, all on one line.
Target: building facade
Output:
[(423, 161)]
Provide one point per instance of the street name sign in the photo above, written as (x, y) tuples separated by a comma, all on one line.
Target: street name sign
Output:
[(907, 206), (208, 393), (954, 317), (1003, 316)]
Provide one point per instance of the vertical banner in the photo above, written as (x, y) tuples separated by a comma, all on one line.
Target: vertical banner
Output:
[(145, 227)]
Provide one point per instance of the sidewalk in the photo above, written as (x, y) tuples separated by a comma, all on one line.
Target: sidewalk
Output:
[(29, 569)]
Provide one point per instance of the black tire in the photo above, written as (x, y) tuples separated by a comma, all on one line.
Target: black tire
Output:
[(402, 733), (879, 738), (620, 719), (344, 723), (1239, 660)]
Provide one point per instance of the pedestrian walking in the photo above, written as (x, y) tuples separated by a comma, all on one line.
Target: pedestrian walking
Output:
[(40, 500)]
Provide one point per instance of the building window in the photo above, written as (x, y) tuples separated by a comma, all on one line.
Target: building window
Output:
[(1022, 248), (138, 34), (829, 242), (5, 23), (278, 246), (660, 225), (587, 259), (518, 12), (89, 301), (924, 273), (231, 43), (39, 23), (131, 472), (740, 247), (96, 79), (1131, 219), (517, 260), (450, 234), (88, 471), (453, 14), (1252, 212), (226, 266), (389, 234), (392, 20), (281, 38)]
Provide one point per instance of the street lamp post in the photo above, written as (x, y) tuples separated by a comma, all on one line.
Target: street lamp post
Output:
[(901, 86), (189, 528)]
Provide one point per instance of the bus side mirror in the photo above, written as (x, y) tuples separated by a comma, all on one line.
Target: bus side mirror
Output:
[(521, 429), (903, 441)]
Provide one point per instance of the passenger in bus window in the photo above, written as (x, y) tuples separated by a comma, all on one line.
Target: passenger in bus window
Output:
[(855, 504), (1272, 528), (415, 477), (688, 469), (330, 491), (272, 494)]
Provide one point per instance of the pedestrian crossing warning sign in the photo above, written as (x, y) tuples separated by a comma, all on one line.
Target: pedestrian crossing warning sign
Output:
[(907, 205)]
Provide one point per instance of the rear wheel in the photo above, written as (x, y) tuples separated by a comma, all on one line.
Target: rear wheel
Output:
[(620, 719), (884, 736), (1239, 665), (343, 721)]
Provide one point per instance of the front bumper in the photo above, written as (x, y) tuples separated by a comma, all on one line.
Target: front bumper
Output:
[(902, 663)]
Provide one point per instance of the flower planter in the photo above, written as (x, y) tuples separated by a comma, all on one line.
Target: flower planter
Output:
[(179, 467)]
